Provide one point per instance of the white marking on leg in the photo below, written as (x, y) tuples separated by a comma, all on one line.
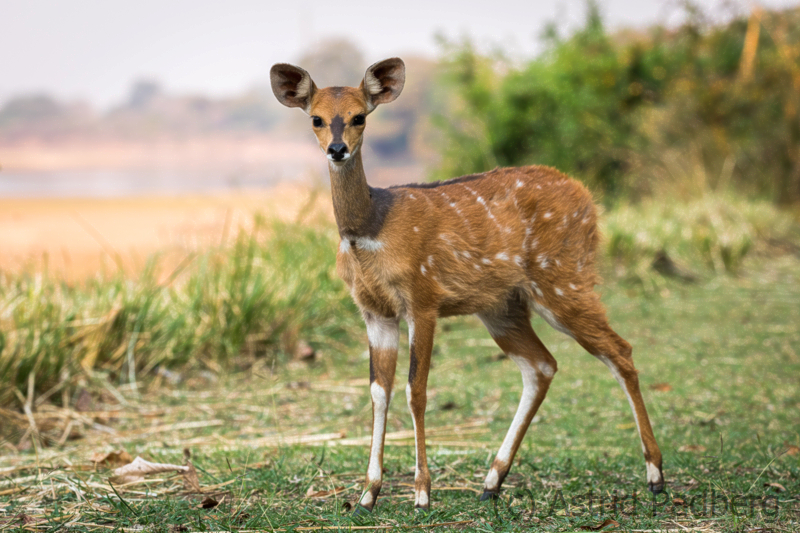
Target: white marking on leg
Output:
[(421, 498), (550, 318), (379, 406), (366, 499), (653, 473), (383, 333), (413, 421), (530, 387), (615, 372)]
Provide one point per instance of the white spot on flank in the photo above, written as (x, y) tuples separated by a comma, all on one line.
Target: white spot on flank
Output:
[(538, 186), (502, 256), (559, 292), (466, 254), (423, 270), (542, 259), (575, 214), (416, 229), (430, 260), (519, 184), (383, 333), (477, 266), (573, 287), (486, 261), (548, 214), (379, 407), (518, 260), (481, 200), (452, 204), (412, 196)]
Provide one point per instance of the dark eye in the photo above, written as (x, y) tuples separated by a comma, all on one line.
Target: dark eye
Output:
[(358, 120), (316, 121)]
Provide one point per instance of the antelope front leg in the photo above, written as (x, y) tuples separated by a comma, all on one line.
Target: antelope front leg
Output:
[(420, 335), (383, 336)]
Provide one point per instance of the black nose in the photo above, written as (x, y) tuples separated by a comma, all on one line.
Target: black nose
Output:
[(337, 151)]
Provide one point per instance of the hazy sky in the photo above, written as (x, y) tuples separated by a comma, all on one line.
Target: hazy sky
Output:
[(94, 49)]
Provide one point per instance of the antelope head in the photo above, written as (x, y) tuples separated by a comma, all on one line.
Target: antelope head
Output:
[(338, 114)]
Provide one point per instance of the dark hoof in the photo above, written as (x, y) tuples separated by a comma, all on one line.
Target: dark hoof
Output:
[(656, 488), (360, 510), (489, 495)]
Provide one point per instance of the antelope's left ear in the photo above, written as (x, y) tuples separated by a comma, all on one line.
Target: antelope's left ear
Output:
[(384, 82)]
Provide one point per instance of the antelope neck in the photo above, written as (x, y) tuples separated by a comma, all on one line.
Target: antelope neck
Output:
[(358, 208)]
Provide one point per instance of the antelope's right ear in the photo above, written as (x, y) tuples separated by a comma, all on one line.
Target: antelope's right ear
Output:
[(293, 87)]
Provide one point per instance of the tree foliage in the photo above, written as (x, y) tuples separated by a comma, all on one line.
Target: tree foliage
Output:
[(630, 112)]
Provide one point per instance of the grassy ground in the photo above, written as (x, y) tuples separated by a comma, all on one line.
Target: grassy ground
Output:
[(285, 447)]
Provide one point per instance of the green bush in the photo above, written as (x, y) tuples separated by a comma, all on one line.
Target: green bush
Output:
[(618, 110)]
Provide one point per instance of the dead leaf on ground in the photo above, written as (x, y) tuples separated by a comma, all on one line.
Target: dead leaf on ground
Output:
[(208, 503), (323, 493), (191, 483), (115, 458), (791, 449), (661, 387), (138, 468), (678, 501), (692, 448), (776, 486), (607, 522)]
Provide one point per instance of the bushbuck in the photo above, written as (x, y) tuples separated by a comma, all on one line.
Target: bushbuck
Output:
[(499, 245)]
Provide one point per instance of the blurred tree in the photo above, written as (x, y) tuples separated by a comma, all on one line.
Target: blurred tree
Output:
[(334, 62)]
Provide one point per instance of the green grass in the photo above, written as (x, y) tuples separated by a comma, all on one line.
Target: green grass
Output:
[(728, 347)]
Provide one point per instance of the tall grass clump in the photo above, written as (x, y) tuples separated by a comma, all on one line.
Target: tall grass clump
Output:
[(714, 232), (254, 298)]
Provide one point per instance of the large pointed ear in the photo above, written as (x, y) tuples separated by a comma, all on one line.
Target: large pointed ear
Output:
[(293, 87), (384, 82)]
